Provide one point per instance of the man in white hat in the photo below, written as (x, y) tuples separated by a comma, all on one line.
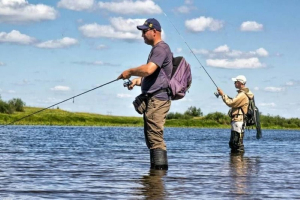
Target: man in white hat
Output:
[(239, 107)]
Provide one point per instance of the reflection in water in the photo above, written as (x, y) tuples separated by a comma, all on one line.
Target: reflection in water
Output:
[(242, 170), (153, 185), (103, 163)]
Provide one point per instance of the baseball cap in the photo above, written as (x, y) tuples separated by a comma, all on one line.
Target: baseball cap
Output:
[(150, 23), (240, 78)]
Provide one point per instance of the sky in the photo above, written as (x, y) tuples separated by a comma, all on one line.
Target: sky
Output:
[(51, 50)]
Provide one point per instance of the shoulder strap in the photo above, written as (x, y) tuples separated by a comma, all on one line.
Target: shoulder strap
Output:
[(248, 99)]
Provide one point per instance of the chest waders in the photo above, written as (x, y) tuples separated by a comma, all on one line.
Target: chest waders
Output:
[(236, 141), (158, 157)]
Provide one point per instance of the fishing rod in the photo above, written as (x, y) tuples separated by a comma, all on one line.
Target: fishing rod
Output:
[(59, 103), (217, 94)]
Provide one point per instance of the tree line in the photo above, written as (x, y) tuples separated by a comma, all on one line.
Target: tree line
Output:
[(266, 121), (11, 106), (193, 116)]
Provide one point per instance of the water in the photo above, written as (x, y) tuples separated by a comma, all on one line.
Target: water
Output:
[(113, 163)]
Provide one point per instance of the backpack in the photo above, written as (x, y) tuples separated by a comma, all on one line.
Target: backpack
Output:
[(181, 78), (252, 117)]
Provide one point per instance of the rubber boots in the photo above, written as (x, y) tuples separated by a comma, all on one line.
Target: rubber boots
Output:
[(158, 159)]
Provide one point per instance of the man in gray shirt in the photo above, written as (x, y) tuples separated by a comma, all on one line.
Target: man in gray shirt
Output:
[(153, 78)]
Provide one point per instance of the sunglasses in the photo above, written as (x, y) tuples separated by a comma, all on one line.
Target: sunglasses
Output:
[(145, 31)]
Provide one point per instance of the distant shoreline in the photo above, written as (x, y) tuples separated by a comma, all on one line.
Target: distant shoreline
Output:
[(57, 117)]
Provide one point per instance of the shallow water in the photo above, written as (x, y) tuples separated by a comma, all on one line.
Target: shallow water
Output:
[(39, 162)]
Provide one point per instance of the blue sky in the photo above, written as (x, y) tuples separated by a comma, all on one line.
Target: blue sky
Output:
[(51, 50)]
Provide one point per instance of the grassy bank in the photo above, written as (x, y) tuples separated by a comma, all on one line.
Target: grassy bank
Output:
[(59, 117), (64, 118)]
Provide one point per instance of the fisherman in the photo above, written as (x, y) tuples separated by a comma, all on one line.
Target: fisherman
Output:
[(239, 106), (154, 100)]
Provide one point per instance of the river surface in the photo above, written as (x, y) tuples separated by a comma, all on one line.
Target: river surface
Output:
[(46, 162)]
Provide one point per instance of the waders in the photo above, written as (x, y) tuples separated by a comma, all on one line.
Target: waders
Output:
[(236, 141), (158, 159)]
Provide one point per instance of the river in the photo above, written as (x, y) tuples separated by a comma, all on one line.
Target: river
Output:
[(49, 162)]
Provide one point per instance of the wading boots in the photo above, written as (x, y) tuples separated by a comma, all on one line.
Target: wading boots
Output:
[(158, 159)]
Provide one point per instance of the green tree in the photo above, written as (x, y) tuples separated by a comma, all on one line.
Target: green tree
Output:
[(17, 104), (5, 107), (194, 112), (178, 115), (218, 117)]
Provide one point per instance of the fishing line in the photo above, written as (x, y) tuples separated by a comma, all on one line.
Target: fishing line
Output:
[(59, 103), (191, 50)]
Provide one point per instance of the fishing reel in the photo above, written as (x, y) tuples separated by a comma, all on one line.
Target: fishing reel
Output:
[(127, 83), (217, 94)]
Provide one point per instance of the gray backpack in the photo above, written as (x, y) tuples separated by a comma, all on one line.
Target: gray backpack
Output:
[(181, 78)]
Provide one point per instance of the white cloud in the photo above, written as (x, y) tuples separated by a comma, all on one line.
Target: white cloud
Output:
[(188, 2), (11, 91), (250, 63), (251, 26), (61, 43), (60, 88), (126, 25), (267, 104), (274, 89), (185, 9), (120, 29), (261, 52), (178, 50), (95, 30), (16, 37), (225, 52), (101, 47), (235, 54), (201, 51), (222, 49), (79, 21), (203, 23), (16, 11), (290, 83), (76, 5), (124, 96), (96, 63), (2, 64), (128, 7), (256, 88)]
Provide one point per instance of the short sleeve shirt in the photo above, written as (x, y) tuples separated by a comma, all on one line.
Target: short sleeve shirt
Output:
[(162, 56)]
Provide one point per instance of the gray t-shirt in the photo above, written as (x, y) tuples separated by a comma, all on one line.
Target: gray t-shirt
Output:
[(162, 56)]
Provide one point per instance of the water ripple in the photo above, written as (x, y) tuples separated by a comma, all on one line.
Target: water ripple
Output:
[(113, 163)]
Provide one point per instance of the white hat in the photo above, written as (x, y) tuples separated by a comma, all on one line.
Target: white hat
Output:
[(240, 78)]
